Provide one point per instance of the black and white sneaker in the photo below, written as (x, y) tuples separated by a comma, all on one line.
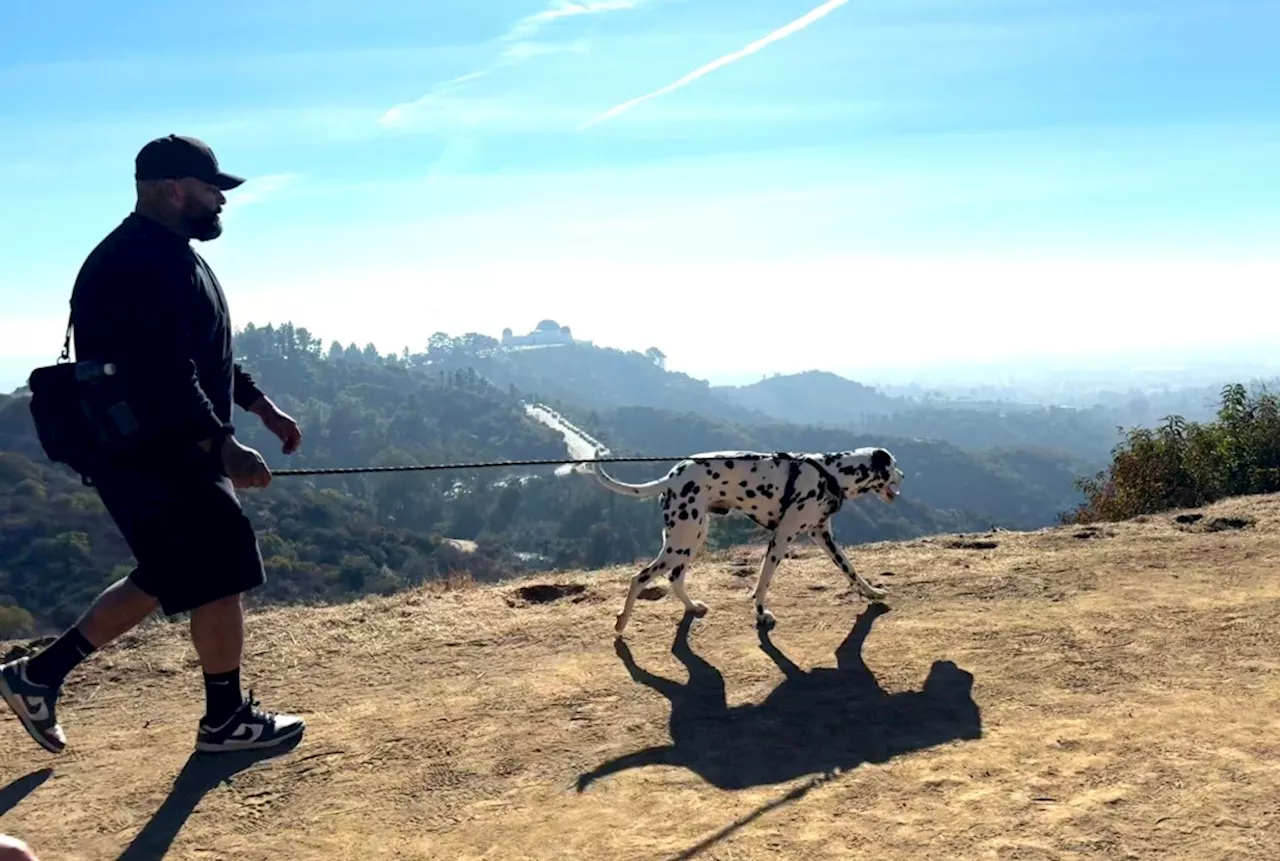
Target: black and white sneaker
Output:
[(250, 728), (33, 704)]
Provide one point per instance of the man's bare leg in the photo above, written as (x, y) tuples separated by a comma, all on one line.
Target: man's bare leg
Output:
[(217, 630), (118, 609), (231, 721), (30, 685)]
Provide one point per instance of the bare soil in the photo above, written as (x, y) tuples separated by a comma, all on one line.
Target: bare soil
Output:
[(1108, 692)]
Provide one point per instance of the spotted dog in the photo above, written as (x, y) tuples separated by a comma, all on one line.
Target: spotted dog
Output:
[(791, 495)]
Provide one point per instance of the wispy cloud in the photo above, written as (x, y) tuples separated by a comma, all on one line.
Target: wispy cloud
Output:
[(398, 115), (531, 25), (780, 33), (521, 45), (527, 49)]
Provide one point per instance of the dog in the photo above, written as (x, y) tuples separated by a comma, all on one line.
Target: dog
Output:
[(791, 495)]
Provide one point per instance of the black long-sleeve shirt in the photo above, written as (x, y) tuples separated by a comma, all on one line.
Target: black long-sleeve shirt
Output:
[(145, 300)]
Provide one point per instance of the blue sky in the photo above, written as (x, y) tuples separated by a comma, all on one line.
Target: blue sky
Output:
[(852, 186)]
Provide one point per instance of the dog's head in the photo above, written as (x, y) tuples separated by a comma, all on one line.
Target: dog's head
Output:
[(869, 470)]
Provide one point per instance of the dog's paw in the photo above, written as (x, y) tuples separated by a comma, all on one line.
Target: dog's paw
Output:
[(699, 609), (873, 593), (765, 621)]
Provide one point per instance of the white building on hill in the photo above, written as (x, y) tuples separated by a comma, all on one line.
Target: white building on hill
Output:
[(546, 333)]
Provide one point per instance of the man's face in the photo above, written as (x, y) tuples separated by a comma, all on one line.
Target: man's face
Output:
[(198, 206)]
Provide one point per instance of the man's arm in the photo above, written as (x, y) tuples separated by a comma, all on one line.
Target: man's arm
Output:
[(245, 392), (249, 397), (150, 317)]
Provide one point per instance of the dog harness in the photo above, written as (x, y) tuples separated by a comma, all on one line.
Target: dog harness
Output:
[(828, 485)]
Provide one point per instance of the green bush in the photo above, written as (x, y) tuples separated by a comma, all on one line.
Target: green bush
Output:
[(15, 622), (1185, 464)]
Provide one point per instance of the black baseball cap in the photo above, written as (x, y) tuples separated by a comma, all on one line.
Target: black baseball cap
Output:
[(178, 156)]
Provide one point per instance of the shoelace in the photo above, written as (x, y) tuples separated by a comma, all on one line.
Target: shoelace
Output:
[(253, 707)]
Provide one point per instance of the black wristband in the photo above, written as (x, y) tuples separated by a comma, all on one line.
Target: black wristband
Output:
[(220, 435)]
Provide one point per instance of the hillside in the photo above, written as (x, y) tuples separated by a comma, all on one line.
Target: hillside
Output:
[(1087, 436), (583, 374), (339, 537), (589, 378), (950, 488), (1104, 692), (812, 398)]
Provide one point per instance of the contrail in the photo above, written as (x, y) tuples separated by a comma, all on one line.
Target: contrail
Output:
[(781, 33), (520, 48)]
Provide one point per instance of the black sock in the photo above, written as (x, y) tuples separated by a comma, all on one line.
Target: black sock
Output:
[(50, 666), (222, 696)]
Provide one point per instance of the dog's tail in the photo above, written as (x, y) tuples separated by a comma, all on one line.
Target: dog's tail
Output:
[(639, 491)]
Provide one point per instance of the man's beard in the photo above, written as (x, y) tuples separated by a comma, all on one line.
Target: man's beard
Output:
[(202, 226)]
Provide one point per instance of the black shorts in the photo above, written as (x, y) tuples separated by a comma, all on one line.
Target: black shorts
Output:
[(188, 533)]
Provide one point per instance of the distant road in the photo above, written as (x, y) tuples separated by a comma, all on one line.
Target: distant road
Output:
[(578, 442)]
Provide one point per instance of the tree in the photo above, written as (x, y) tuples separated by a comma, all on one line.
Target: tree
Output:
[(439, 345), (503, 512)]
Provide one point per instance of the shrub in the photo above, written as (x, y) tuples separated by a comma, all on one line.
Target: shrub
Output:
[(1185, 464), (15, 622)]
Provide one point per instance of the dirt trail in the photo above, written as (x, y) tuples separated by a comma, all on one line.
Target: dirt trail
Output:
[(1109, 693)]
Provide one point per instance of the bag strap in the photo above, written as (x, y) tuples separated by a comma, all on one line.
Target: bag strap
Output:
[(66, 344)]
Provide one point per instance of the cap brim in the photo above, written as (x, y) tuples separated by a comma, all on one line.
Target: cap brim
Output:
[(227, 181)]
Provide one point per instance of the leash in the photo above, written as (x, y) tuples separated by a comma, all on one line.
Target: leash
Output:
[(491, 464)]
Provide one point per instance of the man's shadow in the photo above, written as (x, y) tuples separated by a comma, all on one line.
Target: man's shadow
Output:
[(814, 722), (198, 777), (13, 794)]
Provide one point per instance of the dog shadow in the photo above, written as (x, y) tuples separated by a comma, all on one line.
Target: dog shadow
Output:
[(13, 794), (814, 722), (201, 774)]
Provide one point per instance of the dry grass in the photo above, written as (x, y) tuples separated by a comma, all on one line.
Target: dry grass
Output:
[(1103, 693)]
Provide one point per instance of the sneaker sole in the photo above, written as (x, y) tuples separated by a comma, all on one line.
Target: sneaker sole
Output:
[(233, 746), (13, 701)]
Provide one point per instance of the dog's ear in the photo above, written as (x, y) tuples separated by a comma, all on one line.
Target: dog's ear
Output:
[(880, 460)]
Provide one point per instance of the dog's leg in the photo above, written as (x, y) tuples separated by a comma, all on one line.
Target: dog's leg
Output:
[(794, 524), (681, 540), (687, 539), (828, 541), (638, 582), (681, 568), (779, 546), (772, 555)]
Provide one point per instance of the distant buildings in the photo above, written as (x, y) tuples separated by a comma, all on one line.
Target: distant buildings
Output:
[(546, 333)]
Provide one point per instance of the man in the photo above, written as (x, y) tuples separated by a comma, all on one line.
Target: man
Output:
[(147, 302)]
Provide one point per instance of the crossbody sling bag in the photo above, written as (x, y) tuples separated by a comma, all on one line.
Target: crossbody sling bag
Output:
[(80, 413)]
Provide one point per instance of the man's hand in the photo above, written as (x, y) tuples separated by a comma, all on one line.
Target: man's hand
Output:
[(279, 423), (244, 465)]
